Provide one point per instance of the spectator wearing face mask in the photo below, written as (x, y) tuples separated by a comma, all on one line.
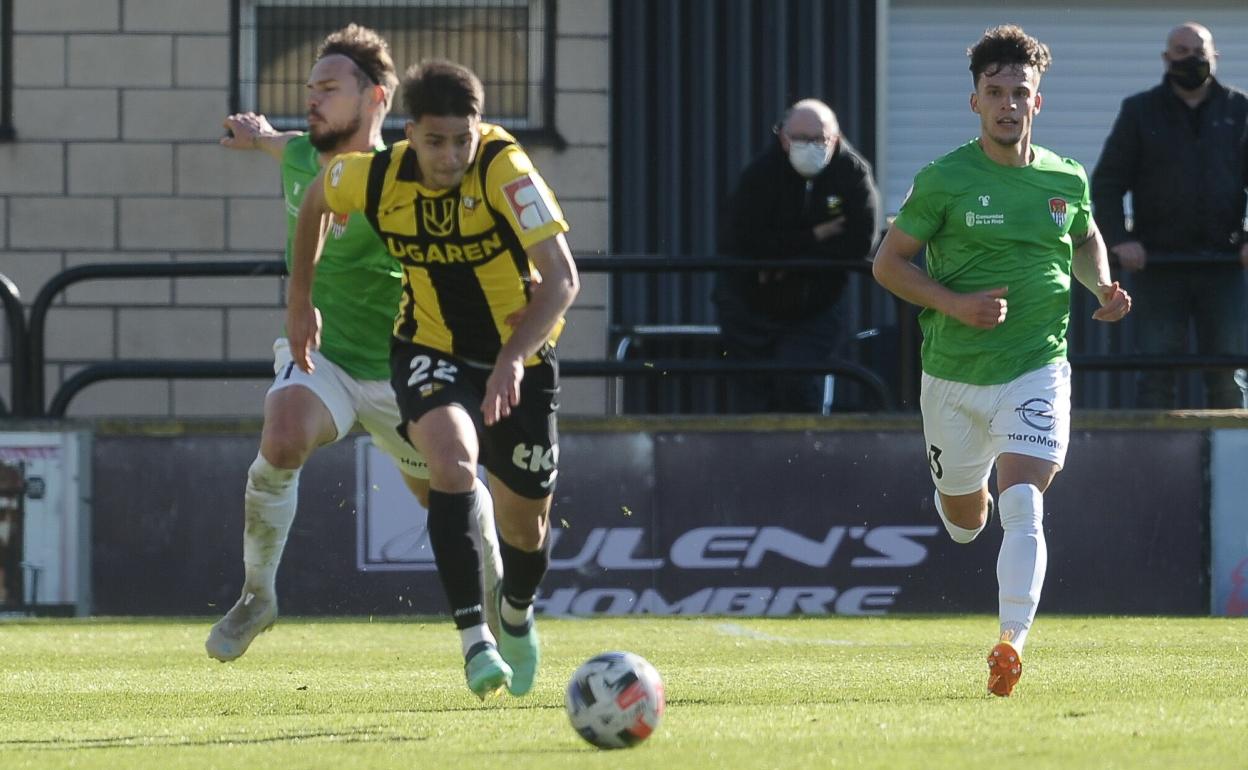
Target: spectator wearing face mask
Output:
[(1181, 150), (809, 195)]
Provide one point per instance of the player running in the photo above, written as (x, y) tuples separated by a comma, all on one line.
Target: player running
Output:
[(349, 92), (1006, 223), (487, 277)]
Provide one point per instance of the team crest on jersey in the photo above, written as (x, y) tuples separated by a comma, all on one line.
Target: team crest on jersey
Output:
[(335, 174), (528, 203), (438, 215), (338, 225), (1057, 210)]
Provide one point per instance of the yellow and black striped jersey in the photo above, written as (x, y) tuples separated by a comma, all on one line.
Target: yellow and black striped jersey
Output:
[(462, 250)]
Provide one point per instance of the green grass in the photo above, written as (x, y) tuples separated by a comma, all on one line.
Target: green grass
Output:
[(742, 693)]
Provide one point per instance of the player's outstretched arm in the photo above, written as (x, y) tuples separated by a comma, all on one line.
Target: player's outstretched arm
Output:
[(549, 299), (249, 131), (895, 270), (303, 320), (1090, 264)]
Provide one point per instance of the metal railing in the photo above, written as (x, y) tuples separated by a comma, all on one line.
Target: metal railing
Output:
[(36, 398), (27, 340), (15, 319)]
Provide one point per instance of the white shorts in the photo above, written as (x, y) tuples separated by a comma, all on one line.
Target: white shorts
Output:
[(348, 399), (967, 426)]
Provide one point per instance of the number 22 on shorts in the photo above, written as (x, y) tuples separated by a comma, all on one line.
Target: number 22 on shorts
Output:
[(420, 366)]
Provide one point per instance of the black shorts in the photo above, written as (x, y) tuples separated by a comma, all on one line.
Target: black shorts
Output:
[(522, 449)]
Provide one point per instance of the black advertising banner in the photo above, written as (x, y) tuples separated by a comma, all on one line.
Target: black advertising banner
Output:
[(688, 522), (814, 523)]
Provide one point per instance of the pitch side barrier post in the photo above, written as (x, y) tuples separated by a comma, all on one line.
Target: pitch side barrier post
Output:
[(19, 338)]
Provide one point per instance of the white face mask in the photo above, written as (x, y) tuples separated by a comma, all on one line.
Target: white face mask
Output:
[(808, 158)]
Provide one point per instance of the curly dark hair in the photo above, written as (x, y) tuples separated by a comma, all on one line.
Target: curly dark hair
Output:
[(369, 51), (1004, 47), (442, 88)]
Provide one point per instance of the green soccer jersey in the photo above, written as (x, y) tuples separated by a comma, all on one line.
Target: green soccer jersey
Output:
[(987, 225), (357, 283)]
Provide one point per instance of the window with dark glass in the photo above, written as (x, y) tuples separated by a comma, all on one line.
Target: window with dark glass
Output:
[(508, 43)]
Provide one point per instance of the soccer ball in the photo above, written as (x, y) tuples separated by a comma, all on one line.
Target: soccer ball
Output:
[(615, 700)]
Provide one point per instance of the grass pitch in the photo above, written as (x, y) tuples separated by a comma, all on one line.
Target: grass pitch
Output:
[(742, 693)]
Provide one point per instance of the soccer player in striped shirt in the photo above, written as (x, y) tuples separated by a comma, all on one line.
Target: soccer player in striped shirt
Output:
[(349, 92), (487, 278)]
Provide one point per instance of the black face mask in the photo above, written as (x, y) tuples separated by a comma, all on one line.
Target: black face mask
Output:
[(1190, 73)]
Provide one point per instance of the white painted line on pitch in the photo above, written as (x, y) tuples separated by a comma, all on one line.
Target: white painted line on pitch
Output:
[(732, 629)]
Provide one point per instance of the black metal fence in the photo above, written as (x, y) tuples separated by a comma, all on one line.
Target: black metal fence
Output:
[(18, 337), (29, 366), (888, 380)]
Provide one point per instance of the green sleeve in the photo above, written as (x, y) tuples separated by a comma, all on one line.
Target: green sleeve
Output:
[(922, 214)]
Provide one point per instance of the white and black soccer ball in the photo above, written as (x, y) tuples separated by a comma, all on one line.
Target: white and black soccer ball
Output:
[(615, 700)]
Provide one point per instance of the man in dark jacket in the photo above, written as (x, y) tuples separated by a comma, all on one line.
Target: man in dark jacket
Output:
[(1181, 150), (810, 195)]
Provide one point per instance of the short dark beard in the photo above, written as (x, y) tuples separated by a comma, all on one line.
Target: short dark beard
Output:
[(333, 137)]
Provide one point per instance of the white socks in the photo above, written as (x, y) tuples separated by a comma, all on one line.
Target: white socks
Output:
[(514, 617), (959, 534), (470, 636), (269, 504), (1022, 561)]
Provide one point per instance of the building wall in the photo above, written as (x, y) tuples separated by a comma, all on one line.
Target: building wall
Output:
[(118, 107)]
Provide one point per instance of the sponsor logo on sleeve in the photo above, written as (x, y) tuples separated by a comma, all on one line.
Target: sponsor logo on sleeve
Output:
[(528, 203)]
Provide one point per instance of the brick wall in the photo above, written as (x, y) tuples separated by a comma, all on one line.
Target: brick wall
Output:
[(118, 107)]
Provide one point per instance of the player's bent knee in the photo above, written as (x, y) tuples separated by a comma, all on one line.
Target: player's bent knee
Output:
[(451, 477), (286, 445), (1022, 508), (524, 526), (265, 478), (957, 532), (286, 455)]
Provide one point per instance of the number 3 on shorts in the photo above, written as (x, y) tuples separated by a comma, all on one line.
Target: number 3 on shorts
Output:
[(933, 459), (444, 370)]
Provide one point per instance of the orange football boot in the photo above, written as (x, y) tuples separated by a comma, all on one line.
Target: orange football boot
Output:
[(1005, 666)]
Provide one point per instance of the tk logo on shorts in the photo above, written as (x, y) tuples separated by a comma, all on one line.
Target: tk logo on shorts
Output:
[(1057, 210), (1038, 413), (535, 458), (438, 215)]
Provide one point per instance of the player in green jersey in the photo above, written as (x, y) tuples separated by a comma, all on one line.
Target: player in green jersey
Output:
[(349, 92), (1006, 224)]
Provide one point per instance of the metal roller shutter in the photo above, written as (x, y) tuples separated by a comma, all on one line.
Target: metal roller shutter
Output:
[(1103, 50)]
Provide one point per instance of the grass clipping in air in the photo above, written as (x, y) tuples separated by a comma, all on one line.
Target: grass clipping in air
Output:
[(742, 693)]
